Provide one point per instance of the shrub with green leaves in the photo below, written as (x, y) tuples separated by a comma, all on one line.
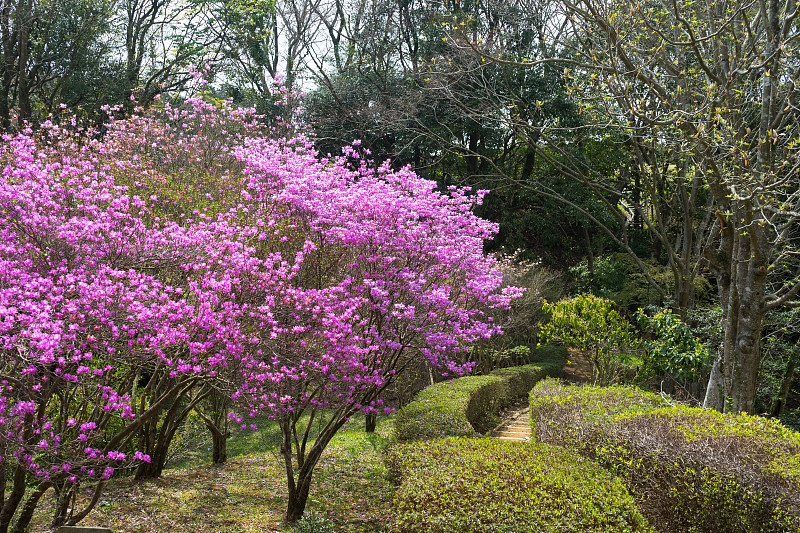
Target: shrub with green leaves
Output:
[(469, 405), (458, 484), (691, 470), (590, 324), (674, 350)]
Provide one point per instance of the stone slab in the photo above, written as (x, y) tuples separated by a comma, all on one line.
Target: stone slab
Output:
[(81, 529)]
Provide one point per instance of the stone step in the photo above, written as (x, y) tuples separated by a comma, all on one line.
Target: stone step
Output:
[(83, 529), (515, 427)]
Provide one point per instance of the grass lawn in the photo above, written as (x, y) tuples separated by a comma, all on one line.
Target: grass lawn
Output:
[(248, 494)]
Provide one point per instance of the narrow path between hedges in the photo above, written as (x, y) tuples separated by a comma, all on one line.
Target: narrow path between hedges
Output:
[(516, 424)]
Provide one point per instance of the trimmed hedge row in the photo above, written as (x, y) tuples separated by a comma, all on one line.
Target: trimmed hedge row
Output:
[(691, 470), (468, 406), (460, 484)]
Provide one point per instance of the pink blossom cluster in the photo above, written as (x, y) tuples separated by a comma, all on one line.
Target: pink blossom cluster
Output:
[(380, 268), (188, 240)]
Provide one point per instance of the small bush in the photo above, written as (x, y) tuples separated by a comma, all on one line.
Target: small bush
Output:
[(675, 350), (469, 405), (692, 470), (458, 485), (592, 325)]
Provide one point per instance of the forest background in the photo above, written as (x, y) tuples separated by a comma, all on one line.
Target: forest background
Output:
[(642, 152)]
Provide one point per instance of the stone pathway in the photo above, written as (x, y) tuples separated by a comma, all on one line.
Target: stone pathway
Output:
[(516, 423), (516, 426)]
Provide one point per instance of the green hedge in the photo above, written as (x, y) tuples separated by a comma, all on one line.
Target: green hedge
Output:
[(468, 405), (692, 470), (487, 485)]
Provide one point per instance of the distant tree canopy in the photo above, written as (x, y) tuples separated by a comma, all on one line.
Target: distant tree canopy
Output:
[(668, 132)]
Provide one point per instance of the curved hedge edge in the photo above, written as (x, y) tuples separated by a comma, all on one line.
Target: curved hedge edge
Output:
[(690, 469), (467, 406), (459, 484)]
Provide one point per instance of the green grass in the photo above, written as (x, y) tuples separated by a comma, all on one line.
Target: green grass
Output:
[(248, 493)]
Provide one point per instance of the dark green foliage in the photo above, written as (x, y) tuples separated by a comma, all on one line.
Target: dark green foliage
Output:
[(674, 349), (365, 106), (779, 376), (468, 405), (538, 224), (692, 470), (617, 277), (487, 485)]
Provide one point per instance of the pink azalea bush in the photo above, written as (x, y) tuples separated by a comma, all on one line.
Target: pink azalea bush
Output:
[(187, 242)]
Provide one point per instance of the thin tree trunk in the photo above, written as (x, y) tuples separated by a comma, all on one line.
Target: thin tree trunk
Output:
[(26, 513), (217, 424), (370, 422), (779, 403), (11, 503), (299, 482)]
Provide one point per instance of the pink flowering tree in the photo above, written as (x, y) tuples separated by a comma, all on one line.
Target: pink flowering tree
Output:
[(180, 158), (97, 290), (193, 255), (383, 272)]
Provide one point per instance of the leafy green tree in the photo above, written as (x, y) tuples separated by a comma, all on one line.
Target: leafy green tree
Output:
[(50, 53), (591, 324), (674, 350), (714, 84)]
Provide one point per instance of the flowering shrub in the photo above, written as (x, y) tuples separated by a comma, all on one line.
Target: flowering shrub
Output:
[(94, 293), (223, 261), (383, 270)]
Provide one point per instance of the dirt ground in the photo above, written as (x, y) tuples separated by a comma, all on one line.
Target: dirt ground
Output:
[(578, 368)]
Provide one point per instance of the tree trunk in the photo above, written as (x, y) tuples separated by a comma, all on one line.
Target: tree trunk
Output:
[(11, 503), (779, 403), (741, 273), (153, 469), (23, 89), (298, 484), (370, 422), (299, 481), (220, 448), (589, 252), (63, 492), (157, 438), (216, 421), (715, 391), (296, 504), (26, 514)]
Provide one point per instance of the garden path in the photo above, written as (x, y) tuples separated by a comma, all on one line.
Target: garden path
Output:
[(516, 426), (516, 422)]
